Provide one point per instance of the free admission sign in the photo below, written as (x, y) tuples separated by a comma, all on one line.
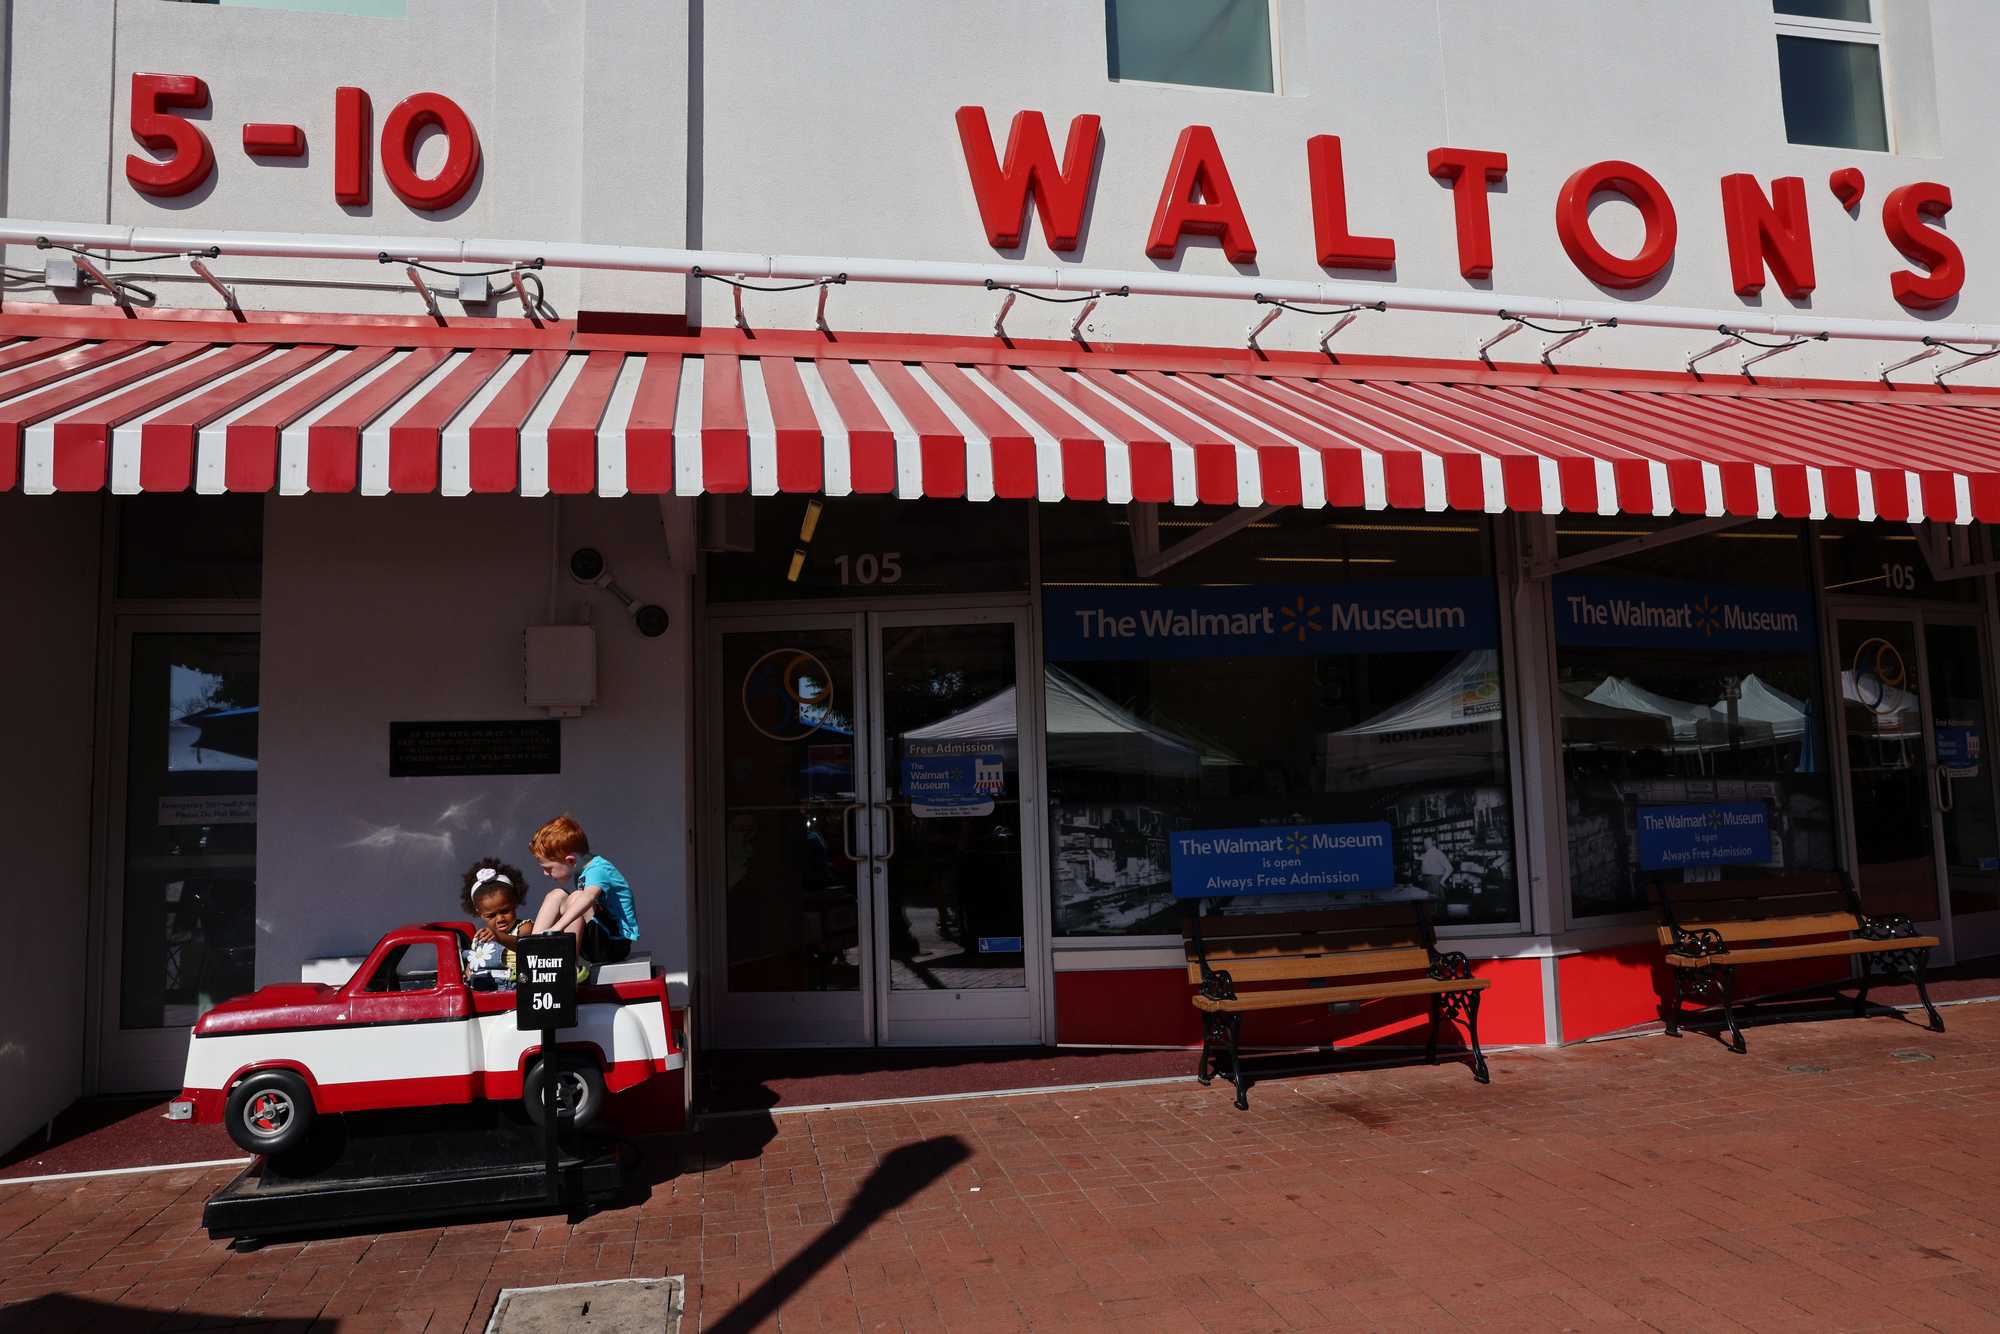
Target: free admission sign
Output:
[(1295, 859)]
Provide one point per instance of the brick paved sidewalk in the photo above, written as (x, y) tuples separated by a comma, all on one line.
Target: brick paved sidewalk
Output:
[(1843, 1175)]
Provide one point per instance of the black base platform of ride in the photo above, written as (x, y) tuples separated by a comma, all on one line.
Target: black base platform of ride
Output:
[(370, 1169)]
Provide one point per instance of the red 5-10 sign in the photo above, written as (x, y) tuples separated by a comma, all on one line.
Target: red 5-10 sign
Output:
[(191, 158)]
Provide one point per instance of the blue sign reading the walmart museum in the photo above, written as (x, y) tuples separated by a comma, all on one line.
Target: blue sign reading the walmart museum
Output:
[(1660, 613), (1730, 833), (1296, 859), (1269, 620), (952, 780)]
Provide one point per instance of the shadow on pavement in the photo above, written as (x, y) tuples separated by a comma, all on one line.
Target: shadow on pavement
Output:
[(902, 1174)]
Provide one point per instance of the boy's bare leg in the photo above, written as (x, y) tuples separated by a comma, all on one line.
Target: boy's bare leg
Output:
[(551, 910)]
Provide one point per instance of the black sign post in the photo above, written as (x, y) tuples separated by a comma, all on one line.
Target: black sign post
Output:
[(545, 999)]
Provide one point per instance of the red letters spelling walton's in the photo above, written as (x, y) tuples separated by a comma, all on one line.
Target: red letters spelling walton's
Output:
[(1765, 232)]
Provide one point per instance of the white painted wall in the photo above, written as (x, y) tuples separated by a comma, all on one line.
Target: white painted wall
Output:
[(412, 608), (855, 152), (580, 106), (49, 547)]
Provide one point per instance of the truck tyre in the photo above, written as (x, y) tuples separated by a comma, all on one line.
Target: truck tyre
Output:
[(269, 1112), (580, 1085)]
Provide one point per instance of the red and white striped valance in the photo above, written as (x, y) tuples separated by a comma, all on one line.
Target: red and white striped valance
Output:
[(86, 414)]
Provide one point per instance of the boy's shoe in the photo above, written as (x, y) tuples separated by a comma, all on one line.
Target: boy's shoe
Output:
[(582, 972)]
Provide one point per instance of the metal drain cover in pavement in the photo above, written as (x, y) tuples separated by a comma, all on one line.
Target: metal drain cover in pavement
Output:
[(613, 1306)]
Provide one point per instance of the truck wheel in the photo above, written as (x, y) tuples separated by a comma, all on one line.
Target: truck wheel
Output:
[(269, 1112), (579, 1087)]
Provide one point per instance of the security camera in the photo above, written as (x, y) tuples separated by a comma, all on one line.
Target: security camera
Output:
[(586, 566)]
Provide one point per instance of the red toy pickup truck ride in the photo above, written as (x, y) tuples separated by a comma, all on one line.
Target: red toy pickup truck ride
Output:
[(407, 1031)]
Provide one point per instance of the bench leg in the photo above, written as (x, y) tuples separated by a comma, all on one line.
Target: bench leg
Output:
[(1437, 1016), (1924, 992), (1861, 994), (1472, 1033), (1211, 1024), (1233, 1034), (1670, 1011), (1729, 1009)]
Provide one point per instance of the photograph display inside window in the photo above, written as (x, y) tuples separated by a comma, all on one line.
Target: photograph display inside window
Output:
[(1692, 736), (1331, 689)]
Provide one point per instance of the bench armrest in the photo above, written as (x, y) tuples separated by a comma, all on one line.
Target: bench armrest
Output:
[(1893, 927), (1698, 943), (1216, 983), (1449, 966)]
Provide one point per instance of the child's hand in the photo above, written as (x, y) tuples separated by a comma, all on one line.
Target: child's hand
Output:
[(482, 935)]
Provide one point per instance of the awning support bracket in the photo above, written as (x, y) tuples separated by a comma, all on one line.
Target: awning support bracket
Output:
[(1773, 349), (227, 293), (1680, 532), (1513, 327), (1730, 338), (424, 291), (1973, 360), (1948, 551), (1929, 350), (1076, 325), (1148, 558), (1347, 316), (97, 276), (1000, 320)]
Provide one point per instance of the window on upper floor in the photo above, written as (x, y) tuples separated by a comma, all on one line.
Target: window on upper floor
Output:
[(1830, 73), (1207, 43)]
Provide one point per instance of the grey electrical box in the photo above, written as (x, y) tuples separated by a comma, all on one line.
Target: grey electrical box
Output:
[(561, 668)]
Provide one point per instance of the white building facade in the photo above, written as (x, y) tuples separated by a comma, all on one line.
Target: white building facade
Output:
[(978, 605)]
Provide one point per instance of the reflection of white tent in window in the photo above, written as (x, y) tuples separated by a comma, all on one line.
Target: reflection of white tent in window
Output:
[(1451, 728), (1685, 717), (1766, 704), (1085, 731)]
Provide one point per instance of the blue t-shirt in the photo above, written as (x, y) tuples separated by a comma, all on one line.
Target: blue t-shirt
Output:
[(615, 912)]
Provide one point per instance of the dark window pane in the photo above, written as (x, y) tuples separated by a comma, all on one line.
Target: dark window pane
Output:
[(1881, 560), (1261, 709), (191, 546), (1848, 11), (1833, 93), (1689, 692), (1209, 43)]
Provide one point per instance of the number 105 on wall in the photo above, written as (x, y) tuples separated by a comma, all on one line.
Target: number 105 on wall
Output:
[(870, 568)]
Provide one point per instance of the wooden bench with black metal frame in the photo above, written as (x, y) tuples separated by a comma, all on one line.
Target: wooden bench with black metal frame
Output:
[(1380, 947), (1710, 929)]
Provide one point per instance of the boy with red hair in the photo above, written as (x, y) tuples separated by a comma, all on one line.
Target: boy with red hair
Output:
[(591, 900)]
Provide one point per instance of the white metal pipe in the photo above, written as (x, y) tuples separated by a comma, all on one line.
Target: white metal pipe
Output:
[(661, 259)]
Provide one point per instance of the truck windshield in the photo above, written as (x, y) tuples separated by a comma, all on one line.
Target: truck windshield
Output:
[(410, 967)]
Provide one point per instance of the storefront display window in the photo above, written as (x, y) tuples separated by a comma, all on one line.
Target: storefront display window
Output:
[(1332, 678), (1688, 690)]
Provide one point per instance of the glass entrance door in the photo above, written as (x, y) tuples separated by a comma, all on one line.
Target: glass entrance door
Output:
[(1889, 768), (788, 925), (180, 907), (950, 797), (1926, 825), (1968, 819), (871, 851)]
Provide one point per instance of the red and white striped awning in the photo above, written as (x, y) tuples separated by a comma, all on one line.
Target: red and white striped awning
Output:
[(187, 411)]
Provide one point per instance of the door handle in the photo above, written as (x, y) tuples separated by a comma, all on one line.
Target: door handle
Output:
[(888, 813), (847, 830), (1943, 784)]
